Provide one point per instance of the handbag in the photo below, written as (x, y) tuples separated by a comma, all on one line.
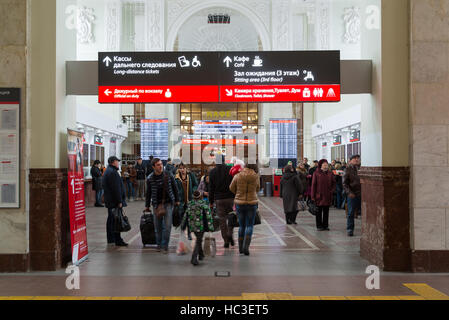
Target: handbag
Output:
[(160, 211), (177, 219), (258, 219), (216, 220), (121, 221), (233, 221), (313, 209)]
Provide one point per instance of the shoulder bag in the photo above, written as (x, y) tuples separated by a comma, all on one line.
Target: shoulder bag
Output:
[(160, 210)]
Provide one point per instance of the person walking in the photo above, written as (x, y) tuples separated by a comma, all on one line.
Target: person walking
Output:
[(149, 169), (291, 190), (161, 191), (140, 176), (129, 178), (97, 185), (199, 220), (323, 185), (204, 186), (245, 186), (186, 185), (353, 189), (306, 164), (169, 167), (219, 195), (339, 185), (114, 197), (302, 175)]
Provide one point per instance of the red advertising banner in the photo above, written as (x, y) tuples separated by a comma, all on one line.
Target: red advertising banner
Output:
[(281, 93), (77, 207)]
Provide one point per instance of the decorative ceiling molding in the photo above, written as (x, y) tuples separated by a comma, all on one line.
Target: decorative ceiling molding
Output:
[(85, 22), (352, 22), (113, 25), (154, 14), (281, 20)]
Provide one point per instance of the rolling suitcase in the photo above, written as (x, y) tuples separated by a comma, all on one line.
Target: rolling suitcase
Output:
[(147, 231)]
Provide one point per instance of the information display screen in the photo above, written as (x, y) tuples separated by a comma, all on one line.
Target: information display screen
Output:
[(283, 138), (218, 127), (200, 77), (9, 148), (154, 138)]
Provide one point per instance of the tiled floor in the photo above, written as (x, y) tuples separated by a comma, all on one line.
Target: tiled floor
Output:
[(294, 259)]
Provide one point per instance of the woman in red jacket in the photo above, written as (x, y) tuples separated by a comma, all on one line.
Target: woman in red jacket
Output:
[(323, 186)]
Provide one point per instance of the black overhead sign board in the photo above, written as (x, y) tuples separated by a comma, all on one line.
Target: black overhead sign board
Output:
[(176, 77)]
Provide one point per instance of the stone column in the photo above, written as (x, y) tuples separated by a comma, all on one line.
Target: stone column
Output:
[(50, 247), (51, 113), (429, 130), (14, 42), (385, 238)]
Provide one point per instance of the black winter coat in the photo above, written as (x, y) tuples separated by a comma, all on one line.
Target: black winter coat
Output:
[(141, 171), (96, 178), (291, 188), (219, 182), (114, 191)]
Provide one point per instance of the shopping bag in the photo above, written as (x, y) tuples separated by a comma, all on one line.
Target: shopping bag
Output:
[(183, 244), (210, 246)]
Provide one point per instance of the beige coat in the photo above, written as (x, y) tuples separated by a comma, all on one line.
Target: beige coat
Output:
[(245, 186)]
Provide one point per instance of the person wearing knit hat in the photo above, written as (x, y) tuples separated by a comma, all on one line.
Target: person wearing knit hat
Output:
[(197, 195), (199, 220), (323, 186)]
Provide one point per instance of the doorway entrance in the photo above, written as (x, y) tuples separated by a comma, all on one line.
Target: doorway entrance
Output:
[(232, 126)]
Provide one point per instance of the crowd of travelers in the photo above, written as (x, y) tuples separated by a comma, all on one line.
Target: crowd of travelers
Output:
[(322, 185), (224, 190)]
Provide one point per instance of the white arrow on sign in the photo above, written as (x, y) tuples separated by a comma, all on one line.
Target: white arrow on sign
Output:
[(228, 61), (107, 92), (107, 61), (229, 93)]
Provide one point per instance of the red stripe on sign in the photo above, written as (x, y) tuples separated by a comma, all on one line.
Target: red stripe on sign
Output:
[(157, 94), (9, 102), (281, 93)]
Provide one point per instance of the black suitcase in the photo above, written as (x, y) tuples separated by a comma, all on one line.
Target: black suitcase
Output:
[(147, 231)]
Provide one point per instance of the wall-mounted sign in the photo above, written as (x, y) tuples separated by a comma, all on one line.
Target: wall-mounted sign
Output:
[(218, 127), (337, 140), (324, 144), (219, 112), (98, 140), (220, 142), (283, 138), (10, 148), (154, 138), (214, 77), (355, 136)]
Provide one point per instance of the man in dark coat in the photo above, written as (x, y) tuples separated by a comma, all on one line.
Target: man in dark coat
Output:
[(97, 185), (141, 177), (219, 181), (353, 189), (162, 184), (291, 189), (114, 197)]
